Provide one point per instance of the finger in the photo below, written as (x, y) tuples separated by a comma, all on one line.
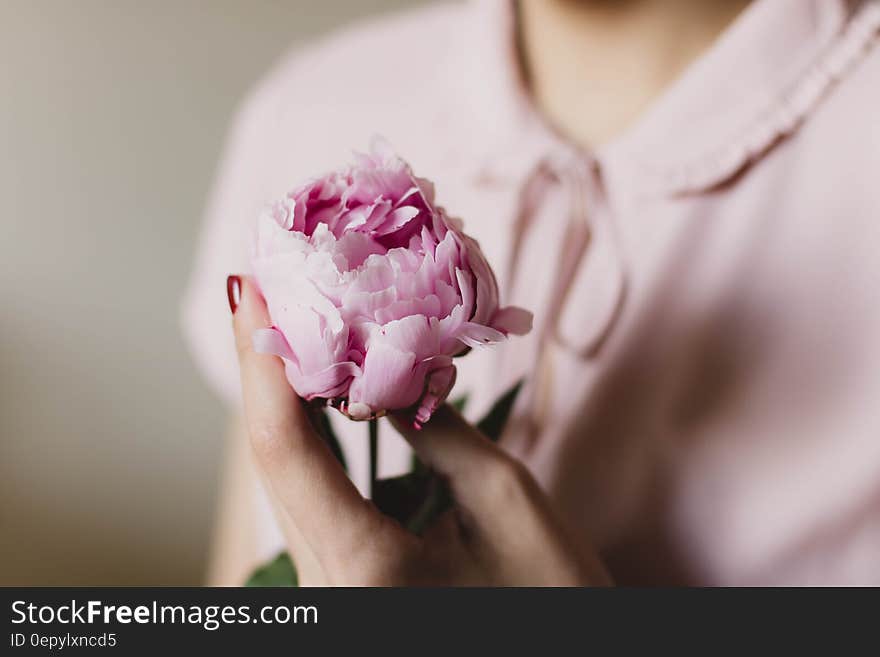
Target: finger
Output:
[(458, 451), (308, 568), (508, 517), (307, 481), (447, 442), (246, 478)]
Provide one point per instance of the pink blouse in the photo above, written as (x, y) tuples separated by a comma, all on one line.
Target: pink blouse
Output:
[(703, 383)]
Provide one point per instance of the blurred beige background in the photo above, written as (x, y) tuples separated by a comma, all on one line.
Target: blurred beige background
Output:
[(112, 117)]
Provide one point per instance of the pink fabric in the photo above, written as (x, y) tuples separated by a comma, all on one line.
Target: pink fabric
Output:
[(704, 373)]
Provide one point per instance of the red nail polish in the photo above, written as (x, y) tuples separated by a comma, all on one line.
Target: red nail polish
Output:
[(233, 292)]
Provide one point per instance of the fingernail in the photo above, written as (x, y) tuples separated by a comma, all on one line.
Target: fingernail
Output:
[(233, 292)]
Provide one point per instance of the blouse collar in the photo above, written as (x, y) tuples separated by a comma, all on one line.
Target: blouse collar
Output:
[(755, 85)]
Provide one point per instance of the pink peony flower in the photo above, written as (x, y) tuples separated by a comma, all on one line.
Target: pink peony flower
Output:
[(372, 289)]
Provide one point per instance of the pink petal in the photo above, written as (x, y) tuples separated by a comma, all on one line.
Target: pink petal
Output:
[(387, 381), (357, 247), (397, 219), (477, 335), (466, 289), (513, 320), (271, 341), (414, 334), (439, 384), (328, 383), (381, 149)]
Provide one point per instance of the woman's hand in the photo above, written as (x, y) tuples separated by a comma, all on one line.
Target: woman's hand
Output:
[(501, 531)]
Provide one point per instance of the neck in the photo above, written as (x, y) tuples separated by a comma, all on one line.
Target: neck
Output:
[(593, 66)]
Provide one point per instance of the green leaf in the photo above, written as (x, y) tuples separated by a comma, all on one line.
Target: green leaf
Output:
[(436, 502), (459, 403), (492, 425), (431, 493), (278, 572), (415, 464), (400, 497), (413, 499)]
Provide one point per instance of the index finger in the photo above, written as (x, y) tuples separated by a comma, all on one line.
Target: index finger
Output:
[(457, 450), (304, 475)]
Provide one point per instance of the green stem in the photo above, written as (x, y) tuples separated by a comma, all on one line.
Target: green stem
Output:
[(374, 454)]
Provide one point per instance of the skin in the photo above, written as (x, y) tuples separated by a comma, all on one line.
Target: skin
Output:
[(339, 538), (594, 67), (503, 530)]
